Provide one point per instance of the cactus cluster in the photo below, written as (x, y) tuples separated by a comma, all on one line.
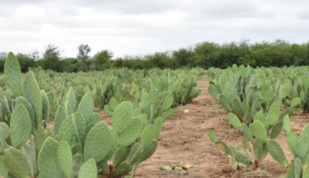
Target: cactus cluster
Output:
[(244, 93), (79, 145), (255, 100), (299, 148)]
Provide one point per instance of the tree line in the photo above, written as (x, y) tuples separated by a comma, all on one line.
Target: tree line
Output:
[(207, 54)]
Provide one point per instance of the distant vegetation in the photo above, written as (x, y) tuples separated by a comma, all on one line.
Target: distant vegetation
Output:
[(208, 54)]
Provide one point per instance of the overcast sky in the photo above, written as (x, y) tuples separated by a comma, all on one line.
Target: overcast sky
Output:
[(138, 27)]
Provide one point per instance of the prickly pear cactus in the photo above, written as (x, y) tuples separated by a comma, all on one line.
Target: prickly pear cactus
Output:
[(13, 75)]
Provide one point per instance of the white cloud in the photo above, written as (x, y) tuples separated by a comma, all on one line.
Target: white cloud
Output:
[(139, 27)]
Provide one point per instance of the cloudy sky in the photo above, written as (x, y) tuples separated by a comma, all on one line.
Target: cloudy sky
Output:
[(138, 27)]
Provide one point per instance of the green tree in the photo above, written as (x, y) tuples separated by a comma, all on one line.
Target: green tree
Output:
[(2, 60), (183, 57), (83, 54), (102, 59), (73, 65), (118, 63), (51, 58), (160, 60), (206, 54), (298, 54), (25, 61)]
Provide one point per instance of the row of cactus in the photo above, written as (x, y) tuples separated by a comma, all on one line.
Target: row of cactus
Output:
[(264, 127), (264, 143), (255, 108), (79, 145), (299, 148), (245, 93), (288, 83), (122, 84)]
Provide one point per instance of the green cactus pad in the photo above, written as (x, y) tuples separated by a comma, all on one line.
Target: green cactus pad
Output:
[(212, 135), (40, 136), (59, 118), (284, 91), (276, 152), (65, 160), (148, 151), (67, 132), (113, 103), (108, 111), (16, 163), (267, 96), (260, 117), (48, 163), (25, 102), (120, 155), (88, 170), (276, 129), (33, 95), (234, 120), (260, 149), (78, 161), (113, 147), (130, 133), (306, 172), (213, 92), (137, 112), (79, 125), (46, 106), (194, 93), (123, 168), (152, 96), (273, 116), (148, 136), (274, 105), (168, 101), (296, 101), (237, 109), (95, 118), (292, 141), (290, 171), (3, 171), (224, 102), (98, 142), (298, 167), (303, 147), (159, 124), (144, 120), (246, 131), (20, 126), (258, 130), (30, 153), (169, 113), (71, 99), (135, 152), (242, 158), (121, 116), (286, 124), (85, 107), (4, 130), (13, 74)]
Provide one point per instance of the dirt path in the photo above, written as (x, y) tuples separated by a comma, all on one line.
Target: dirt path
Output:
[(184, 139)]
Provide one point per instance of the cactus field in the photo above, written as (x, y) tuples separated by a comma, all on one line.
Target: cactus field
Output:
[(238, 122)]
